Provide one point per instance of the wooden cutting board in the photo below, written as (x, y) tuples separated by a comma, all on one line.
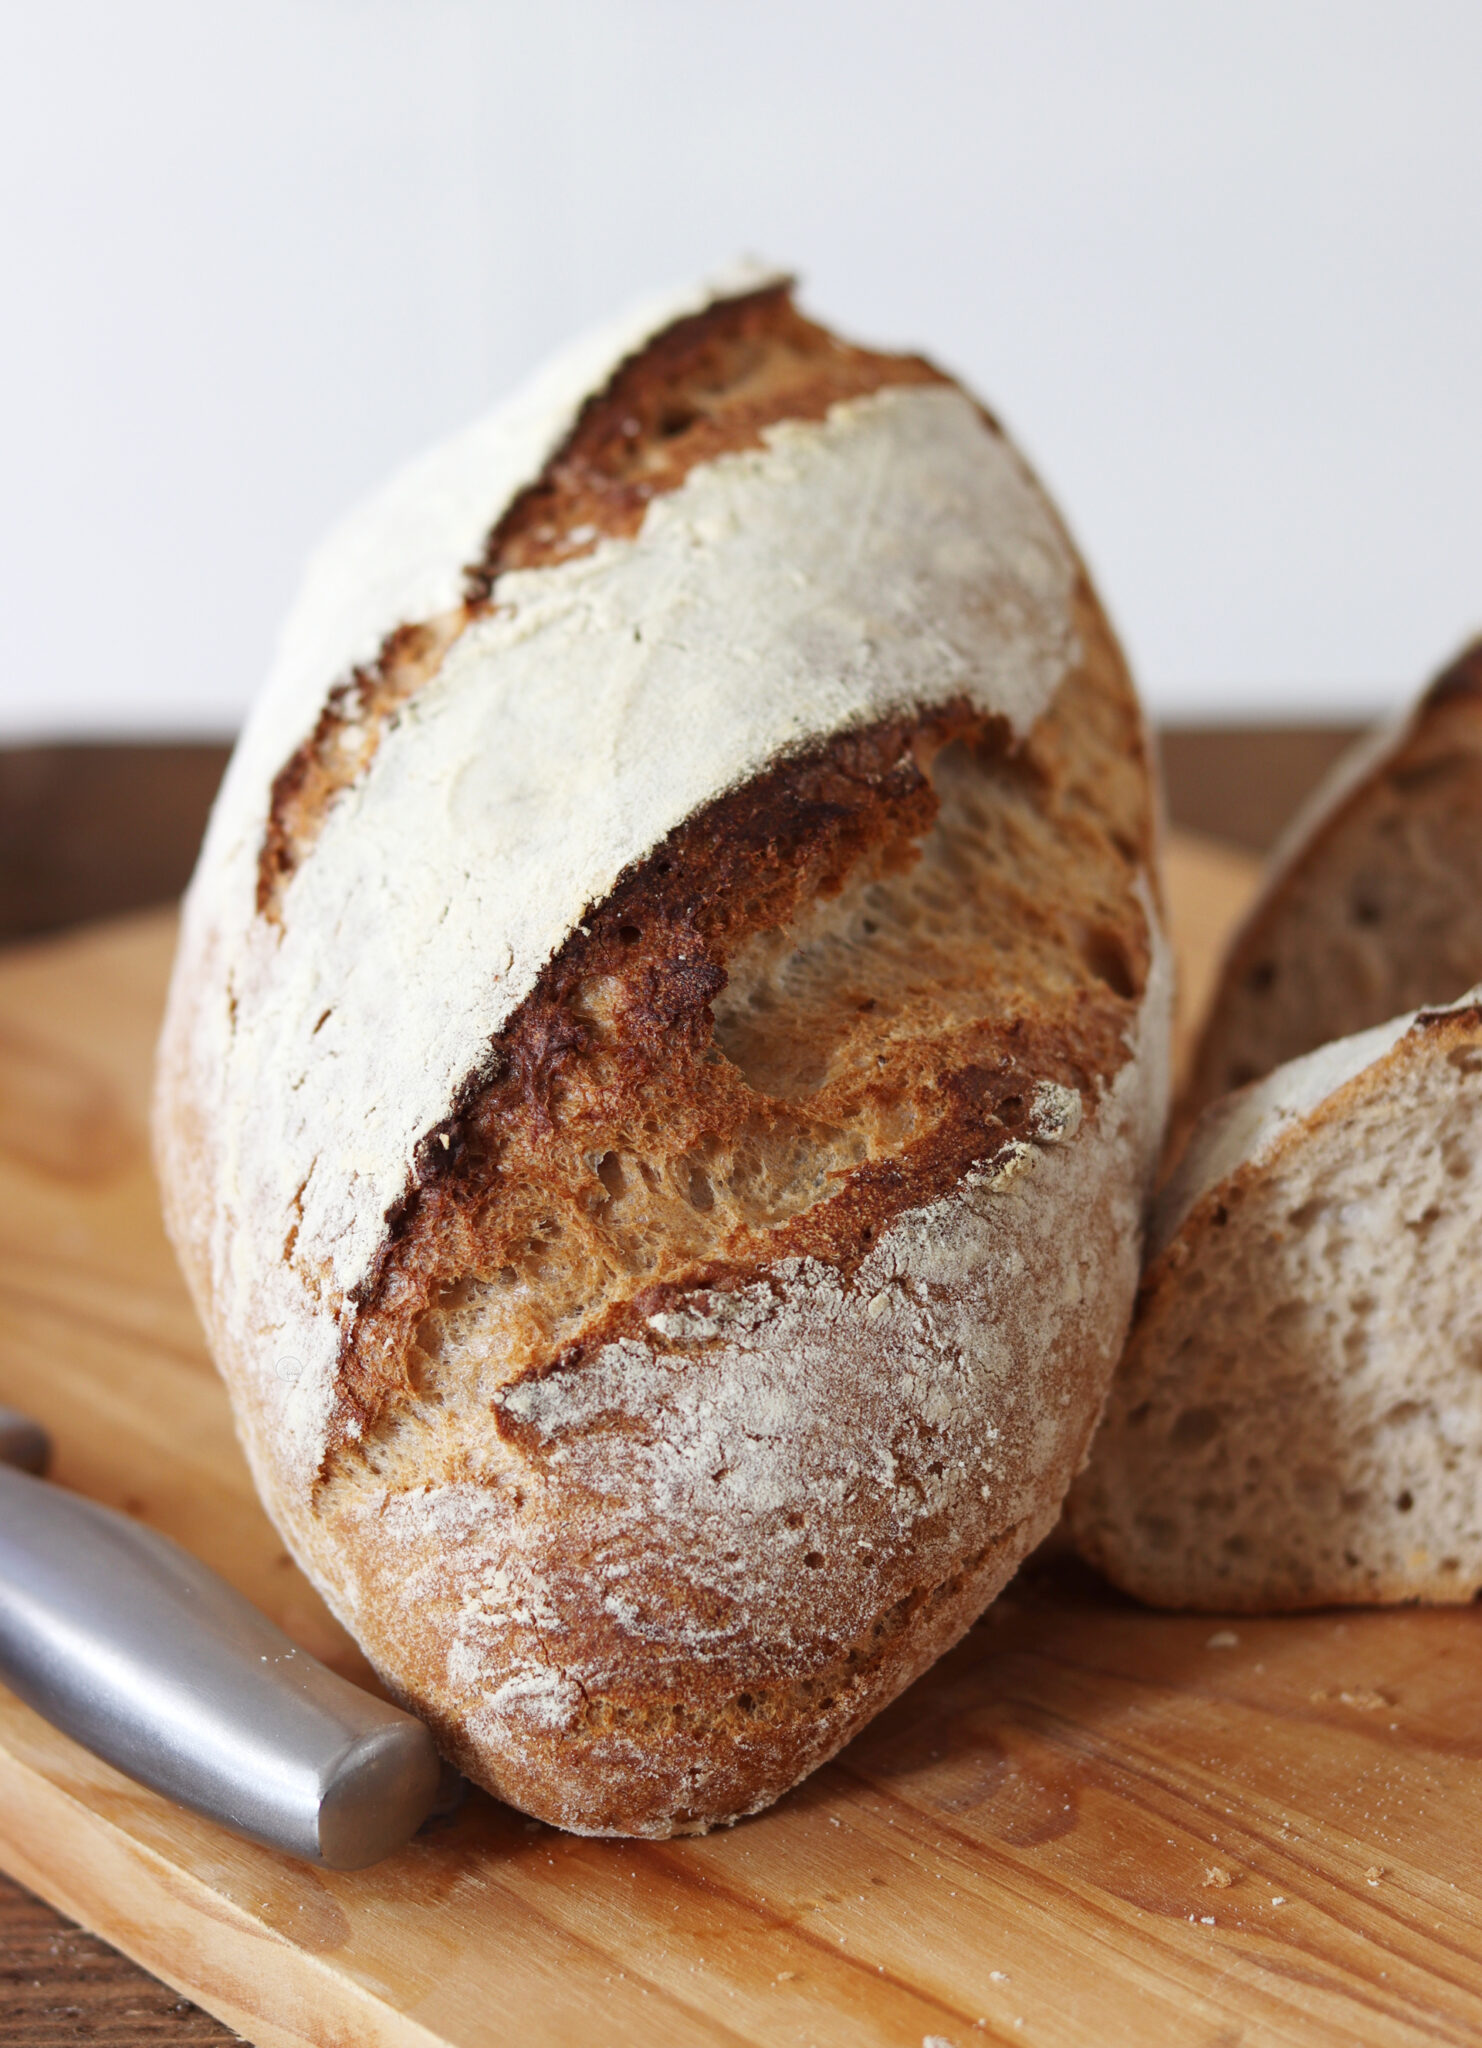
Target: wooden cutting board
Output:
[(1089, 1825)]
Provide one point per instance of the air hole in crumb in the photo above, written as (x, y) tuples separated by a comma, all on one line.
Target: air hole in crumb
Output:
[(1403, 1412), (1138, 1415), (1106, 957), (1195, 1428), (1405, 1501), (610, 1173), (629, 934), (1363, 910), (813, 1559), (699, 1194), (1467, 1059), (794, 1520), (746, 1703), (676, 419), (1456, 1160), (1260, 977)]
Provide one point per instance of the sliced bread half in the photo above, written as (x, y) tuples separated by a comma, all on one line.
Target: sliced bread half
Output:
[(1297, 1420)]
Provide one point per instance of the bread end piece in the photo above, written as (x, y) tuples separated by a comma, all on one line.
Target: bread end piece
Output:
[(1373, 901)]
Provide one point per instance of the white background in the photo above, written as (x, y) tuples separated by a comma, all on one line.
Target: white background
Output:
[(1218, 265)]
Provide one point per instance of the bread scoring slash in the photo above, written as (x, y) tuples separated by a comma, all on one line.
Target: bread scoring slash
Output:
[(665, 1057)]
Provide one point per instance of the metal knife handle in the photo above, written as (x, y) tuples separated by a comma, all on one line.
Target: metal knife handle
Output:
[(141, 1653)]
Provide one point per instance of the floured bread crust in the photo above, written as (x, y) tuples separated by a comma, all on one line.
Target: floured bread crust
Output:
[(663, 1067), (1297, 1421), (1373, 903)]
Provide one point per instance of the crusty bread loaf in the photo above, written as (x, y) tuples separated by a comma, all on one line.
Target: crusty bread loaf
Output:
[(1298, 1417), (1373, 901), (666, 1052)]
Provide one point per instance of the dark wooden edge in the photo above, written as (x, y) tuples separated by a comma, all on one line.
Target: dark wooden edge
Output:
[(58, 1984), (90, 829), (1243, 783)]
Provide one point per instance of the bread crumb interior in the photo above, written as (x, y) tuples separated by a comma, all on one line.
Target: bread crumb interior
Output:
[(1299, 1416)]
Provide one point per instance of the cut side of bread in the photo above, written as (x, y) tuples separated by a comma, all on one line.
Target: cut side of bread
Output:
[(1297, 1420), (1373, 902), (666, 1056)]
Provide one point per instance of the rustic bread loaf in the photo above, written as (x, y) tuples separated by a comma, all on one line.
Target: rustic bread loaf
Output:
[(665, 1057), (1373, 902), (1298, 1417)]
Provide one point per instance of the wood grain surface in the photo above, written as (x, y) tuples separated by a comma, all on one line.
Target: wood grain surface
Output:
[(1089, 1825)]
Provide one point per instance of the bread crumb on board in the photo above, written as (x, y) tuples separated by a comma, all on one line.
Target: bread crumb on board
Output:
[(1365, 1698), (1217, 1878)]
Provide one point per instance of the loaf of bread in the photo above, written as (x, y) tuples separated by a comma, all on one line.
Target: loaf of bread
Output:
[(665, 1057), (1373, 902), (1297, 1421)]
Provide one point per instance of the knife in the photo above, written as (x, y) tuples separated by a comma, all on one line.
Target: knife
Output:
[(138, 1651)]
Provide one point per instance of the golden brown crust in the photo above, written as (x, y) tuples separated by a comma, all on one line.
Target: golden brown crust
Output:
[(744, 1323), (1461, 683), (709, 385), (728, 1737), (616, 1057), (706, 1693), (706, 386), (1368, 915)]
